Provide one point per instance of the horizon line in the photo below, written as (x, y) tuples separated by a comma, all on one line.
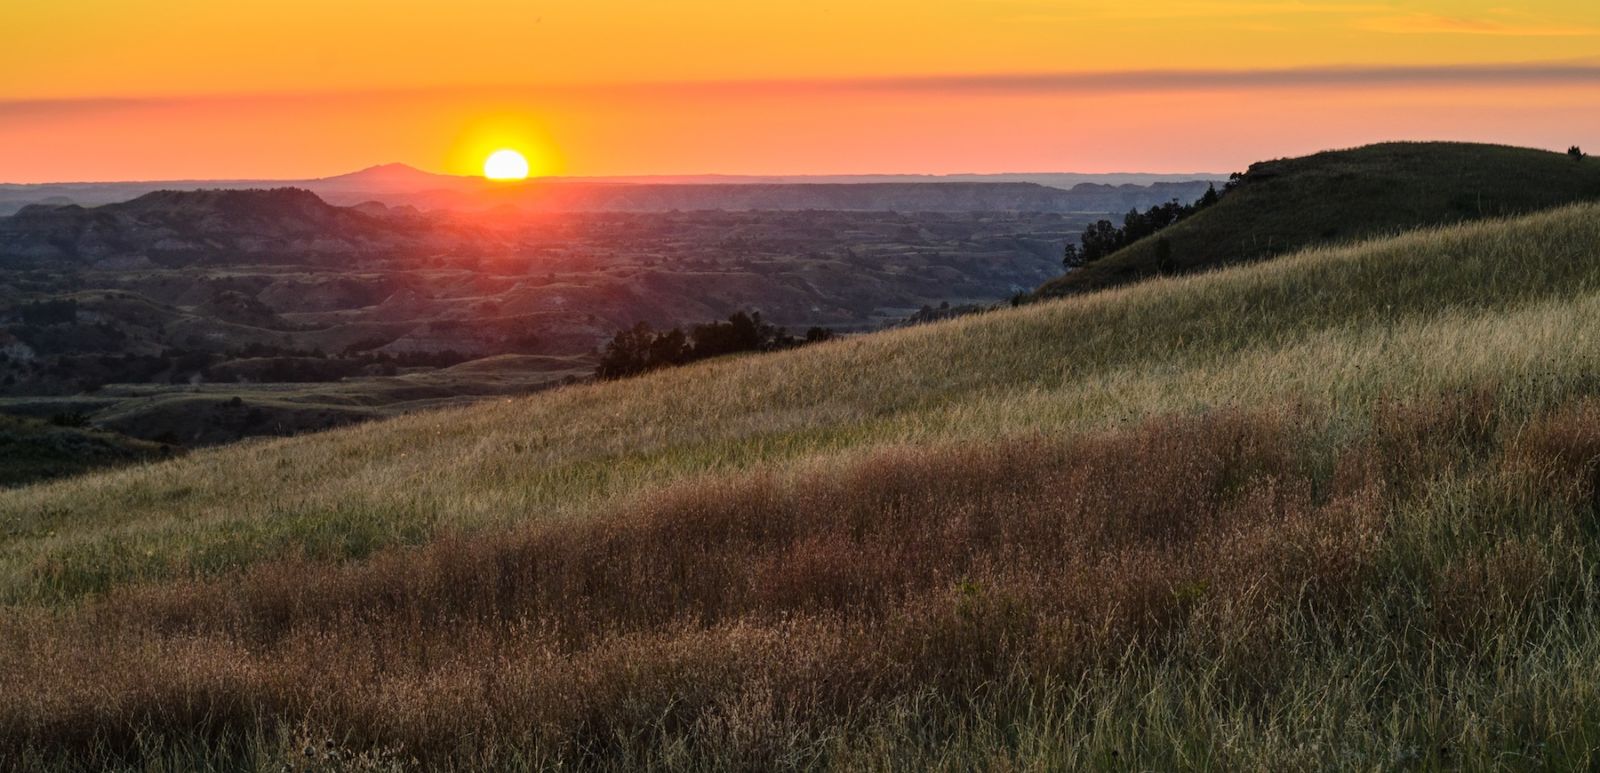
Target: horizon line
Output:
[(1167, 177)]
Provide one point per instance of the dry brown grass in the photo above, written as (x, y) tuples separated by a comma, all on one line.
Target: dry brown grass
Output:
[(1042, 538), (742, 613), (915, 567)]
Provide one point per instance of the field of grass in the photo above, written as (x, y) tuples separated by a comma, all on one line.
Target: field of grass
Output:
[(1333, 511), (1344, 195)]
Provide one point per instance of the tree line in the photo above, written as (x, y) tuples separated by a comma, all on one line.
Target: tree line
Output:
[(1105, 237), (641, 348)]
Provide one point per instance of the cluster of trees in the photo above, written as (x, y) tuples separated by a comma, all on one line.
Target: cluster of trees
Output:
[(640, 348), (945, 311), (1576, 153), (53, 312), (69, 374), (72, 419), (1105, 237)]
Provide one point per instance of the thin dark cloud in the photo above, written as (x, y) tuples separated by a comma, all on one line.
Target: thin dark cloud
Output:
[(1196, 80), (1466, 76)]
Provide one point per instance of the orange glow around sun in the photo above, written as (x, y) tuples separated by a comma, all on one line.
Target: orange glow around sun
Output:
[(505, 164), (108, 89), (502, 142)]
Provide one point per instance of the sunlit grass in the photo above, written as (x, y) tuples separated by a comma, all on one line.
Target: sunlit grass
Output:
[(1332, 511)]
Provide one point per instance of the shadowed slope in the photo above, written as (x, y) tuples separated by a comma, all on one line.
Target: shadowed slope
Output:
[(1340, 196)]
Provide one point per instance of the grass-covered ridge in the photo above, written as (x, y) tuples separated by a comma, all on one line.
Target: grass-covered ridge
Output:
[(1346, 195), (1335, 510)]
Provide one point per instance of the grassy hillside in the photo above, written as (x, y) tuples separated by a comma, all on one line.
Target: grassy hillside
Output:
[(1340, 196), (1333, 511)]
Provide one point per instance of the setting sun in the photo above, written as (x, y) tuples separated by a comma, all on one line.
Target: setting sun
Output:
[(505, 165)]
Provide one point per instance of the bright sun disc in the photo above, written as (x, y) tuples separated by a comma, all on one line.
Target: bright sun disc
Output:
[(505, 165)]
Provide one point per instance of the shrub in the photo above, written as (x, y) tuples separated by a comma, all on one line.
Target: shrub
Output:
[(70, 419), (56, 312)]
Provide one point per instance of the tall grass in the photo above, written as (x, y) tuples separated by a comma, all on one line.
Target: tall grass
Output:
[(1335, 511), (1435, 309), (767, 621)]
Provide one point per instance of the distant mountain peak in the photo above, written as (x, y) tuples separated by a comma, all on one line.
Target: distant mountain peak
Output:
[(394, 173), (393, 167)]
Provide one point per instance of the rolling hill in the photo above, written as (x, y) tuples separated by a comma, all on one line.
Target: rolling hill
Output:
[(1341, 196), (1333, 510)]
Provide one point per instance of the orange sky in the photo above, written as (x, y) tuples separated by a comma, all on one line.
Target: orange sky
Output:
[(169, 89)]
